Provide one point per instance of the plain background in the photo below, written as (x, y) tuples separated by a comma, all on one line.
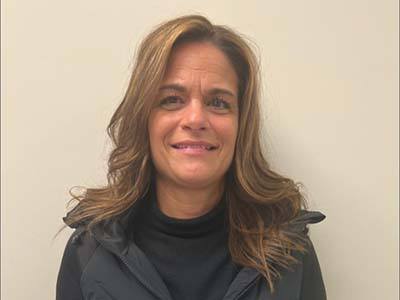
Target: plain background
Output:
[(330, 75)]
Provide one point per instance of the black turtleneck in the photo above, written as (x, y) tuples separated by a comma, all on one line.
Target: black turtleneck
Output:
[(191, 255)]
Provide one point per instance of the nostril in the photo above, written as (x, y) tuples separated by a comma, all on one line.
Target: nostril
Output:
[(194, 127)]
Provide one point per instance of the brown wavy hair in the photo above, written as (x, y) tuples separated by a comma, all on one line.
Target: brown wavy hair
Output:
[(259, 201)]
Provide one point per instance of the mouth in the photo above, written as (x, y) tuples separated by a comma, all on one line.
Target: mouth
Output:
[(194, 146)]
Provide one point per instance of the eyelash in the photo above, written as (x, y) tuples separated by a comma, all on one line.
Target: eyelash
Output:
[(226, 104)]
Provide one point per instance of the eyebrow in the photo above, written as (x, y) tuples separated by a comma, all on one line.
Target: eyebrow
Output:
[(181, 88)]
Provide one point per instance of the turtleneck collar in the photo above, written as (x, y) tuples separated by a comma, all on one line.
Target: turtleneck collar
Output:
[(212, 221)]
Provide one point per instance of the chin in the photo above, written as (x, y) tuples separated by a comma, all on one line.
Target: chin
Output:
[(195, 179)]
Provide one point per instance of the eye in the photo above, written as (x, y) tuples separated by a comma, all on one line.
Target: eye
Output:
[(171, 102), (219, 103)]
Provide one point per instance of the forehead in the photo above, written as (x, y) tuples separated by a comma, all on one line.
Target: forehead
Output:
[(200, 60)]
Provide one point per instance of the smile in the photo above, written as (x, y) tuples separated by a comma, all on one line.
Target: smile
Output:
[(199, 149), (186, 146)]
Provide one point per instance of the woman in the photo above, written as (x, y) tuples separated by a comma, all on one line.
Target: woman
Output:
[(192, 209)]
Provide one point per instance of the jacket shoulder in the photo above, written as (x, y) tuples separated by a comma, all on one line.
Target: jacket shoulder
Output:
[(77, 253), (299, 224), (312, 284)]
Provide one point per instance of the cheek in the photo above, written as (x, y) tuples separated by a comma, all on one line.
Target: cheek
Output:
[(155, 133), (159, 127), (227, 131)]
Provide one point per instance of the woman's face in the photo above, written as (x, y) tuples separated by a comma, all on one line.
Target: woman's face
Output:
[(194, 124)]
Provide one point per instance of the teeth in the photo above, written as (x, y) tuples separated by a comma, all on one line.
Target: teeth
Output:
[(180, 146)]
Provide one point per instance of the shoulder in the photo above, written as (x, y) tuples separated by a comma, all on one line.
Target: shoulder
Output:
[(312, 284), (297, 229), (77, 253), (80, 247), (299, 224)]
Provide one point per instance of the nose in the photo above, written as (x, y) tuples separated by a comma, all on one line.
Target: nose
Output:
[(195, 116)]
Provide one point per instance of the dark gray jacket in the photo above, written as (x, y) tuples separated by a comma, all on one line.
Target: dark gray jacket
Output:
[(106, 264)]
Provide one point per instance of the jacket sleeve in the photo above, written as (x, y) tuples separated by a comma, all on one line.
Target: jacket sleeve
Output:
[(76, 255), (312, 285)]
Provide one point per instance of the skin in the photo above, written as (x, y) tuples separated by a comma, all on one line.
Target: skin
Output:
[(189, 186)]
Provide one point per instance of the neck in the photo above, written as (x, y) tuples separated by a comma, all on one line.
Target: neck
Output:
[(187, 203)]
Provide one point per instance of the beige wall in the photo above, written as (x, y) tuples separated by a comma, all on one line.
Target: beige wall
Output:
[(331, 93)]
